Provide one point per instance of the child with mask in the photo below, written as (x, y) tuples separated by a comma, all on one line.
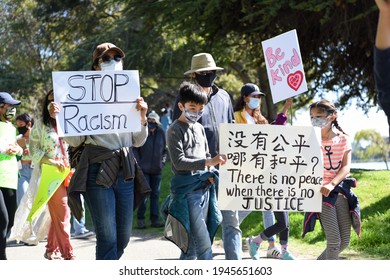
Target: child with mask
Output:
[(335, 216), (193, 216)]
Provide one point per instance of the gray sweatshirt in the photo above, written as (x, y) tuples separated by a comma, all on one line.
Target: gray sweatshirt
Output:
[(112, 141), (187, 146)]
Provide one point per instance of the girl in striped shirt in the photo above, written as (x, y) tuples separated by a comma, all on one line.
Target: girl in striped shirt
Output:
[(336, 148)]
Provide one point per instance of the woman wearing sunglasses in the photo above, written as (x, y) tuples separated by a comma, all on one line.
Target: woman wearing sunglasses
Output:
[(105, 172)]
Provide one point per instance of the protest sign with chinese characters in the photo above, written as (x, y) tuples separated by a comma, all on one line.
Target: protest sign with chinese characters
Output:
[(270, 167), (284, 66), (96, 102)]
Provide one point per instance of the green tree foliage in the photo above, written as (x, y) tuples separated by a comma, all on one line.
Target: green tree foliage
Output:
[(375, 145), (159, 38)]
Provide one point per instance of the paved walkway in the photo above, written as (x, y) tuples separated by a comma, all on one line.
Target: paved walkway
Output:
[(141, 247)]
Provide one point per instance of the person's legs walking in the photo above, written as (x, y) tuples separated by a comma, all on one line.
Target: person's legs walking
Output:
[(102, 206), (329, 223), (3, 226), (155, 185), (344, 221), (124, 194), (23, 181), (231, 235), (60, 218), (198, 207), (142, 207)]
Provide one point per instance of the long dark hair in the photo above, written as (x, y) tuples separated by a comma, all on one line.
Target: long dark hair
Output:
[(328, 107), (47, 120), (240, 103)]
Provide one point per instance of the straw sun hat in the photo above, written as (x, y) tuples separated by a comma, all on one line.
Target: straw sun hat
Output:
[(202, 62)]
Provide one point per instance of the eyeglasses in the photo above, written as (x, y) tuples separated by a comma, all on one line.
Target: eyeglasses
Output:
[(107, 58), (203, 73)]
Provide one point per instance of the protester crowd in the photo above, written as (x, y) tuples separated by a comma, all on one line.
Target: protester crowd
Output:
[(120, 172)]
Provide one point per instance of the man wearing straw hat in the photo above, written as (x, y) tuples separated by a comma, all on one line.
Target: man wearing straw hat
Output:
[(218, 110)]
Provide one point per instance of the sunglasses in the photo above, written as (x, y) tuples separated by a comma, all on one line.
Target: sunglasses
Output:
[(203, 73), (107, 58)]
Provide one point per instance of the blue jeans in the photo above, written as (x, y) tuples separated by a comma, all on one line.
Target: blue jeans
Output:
[(154, 181), (200, 243), (231, 235), (112, 214), (23, 181)]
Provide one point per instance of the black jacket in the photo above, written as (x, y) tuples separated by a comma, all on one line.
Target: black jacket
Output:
[(153, 154)]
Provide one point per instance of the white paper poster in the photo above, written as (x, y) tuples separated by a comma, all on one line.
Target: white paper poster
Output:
[(96, 102), (270, 167), (284, 66)]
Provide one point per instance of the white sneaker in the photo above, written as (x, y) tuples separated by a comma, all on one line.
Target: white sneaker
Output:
[(273, 253)]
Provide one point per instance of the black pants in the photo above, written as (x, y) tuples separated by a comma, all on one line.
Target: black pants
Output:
[(8, 207), (281, 226)]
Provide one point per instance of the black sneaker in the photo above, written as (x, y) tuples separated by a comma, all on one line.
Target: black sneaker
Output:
[(141, 224)]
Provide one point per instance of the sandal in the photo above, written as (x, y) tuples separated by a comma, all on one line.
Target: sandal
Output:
[(51, 256)]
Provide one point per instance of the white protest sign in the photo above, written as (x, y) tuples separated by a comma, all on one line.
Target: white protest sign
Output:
[(270, 167), (96, 102), (284, 66)]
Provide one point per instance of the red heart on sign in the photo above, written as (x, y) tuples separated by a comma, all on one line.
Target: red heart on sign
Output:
[(294, 80)]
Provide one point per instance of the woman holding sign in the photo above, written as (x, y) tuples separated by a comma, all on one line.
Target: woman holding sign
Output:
[(46, 148), (106, 171), (248, 110)]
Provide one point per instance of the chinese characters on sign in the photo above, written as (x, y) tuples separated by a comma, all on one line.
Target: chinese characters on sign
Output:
[(270, 167)]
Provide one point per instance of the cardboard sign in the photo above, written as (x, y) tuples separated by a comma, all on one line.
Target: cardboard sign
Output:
[(51, 179), (96, 102), (284, 66), (270, 167)]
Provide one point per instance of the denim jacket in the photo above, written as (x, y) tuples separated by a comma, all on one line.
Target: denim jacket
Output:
[(177, 227)]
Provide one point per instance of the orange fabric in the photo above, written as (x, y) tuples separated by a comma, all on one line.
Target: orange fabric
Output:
[(59, 232)]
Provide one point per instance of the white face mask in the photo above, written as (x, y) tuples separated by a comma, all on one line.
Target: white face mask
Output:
[(111, 66), (320, 122)]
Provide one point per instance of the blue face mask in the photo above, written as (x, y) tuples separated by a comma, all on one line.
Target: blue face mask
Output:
[(192, 117), (253, 103), (320, 122)]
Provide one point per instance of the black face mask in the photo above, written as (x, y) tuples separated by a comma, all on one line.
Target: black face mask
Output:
[(22, 130), (152, 125), (206, 80)]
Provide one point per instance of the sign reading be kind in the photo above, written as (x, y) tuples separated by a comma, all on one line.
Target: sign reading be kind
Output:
[(96, 102), (284, 66)]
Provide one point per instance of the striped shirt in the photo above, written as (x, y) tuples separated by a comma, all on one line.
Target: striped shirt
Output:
[(333, 152)]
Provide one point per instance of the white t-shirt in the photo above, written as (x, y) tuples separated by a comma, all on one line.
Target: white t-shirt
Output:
[(249, 118)]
